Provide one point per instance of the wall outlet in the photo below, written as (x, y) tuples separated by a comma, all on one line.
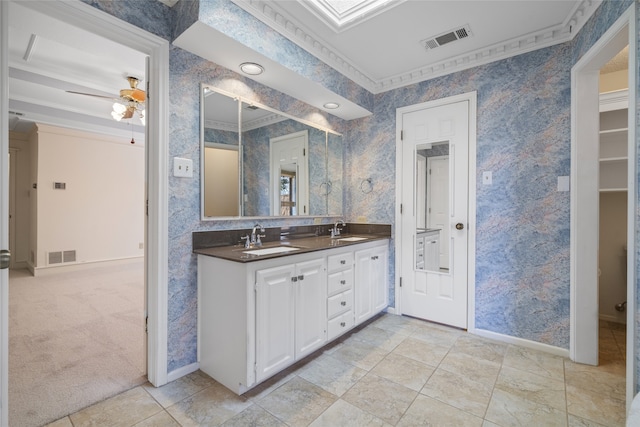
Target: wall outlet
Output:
[(361, 218), (140, 245), (317, 221), (564, 183), (182, 168)]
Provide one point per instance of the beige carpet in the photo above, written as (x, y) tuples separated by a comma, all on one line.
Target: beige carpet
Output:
[(75, 338)]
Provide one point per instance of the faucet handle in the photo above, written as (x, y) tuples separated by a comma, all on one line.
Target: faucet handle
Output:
[(247, 241), (258, 241)]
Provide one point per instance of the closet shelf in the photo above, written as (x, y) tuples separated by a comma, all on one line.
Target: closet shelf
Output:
[(612, 190), (614, 159), (618, 130)]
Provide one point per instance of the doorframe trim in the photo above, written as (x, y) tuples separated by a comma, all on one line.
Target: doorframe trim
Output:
[(101, 23), (472, 98), (585, 192)]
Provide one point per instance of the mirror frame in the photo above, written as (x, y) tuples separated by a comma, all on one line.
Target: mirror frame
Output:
[(240, 100)]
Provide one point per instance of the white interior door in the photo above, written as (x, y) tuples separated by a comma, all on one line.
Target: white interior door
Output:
[(439, 295), (4, 211), (289, 159)]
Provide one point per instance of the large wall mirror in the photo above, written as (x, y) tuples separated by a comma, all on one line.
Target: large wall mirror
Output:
[(259, 162)]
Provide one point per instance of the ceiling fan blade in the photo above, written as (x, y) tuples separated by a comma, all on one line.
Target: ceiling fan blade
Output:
[(113, 98)]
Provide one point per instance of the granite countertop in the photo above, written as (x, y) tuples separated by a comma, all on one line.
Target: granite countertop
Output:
[(304, 245)]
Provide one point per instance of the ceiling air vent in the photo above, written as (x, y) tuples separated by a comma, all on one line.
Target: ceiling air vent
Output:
[(448, 37)]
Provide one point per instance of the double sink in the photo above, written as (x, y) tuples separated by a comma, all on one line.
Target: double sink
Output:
[(282, 248)]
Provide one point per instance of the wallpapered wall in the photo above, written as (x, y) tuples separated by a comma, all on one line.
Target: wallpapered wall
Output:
[(523, 137)]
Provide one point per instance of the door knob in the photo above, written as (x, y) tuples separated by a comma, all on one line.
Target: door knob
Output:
[(459, 226), (5, 258)]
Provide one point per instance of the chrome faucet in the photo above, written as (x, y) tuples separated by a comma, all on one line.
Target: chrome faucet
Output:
[(255, 237), (335, 231)]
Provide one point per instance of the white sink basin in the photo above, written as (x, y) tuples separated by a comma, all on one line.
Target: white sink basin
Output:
[(271, 251), (353, 239)]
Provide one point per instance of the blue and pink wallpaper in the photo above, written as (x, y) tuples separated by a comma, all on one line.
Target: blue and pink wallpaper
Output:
[(523, 137)]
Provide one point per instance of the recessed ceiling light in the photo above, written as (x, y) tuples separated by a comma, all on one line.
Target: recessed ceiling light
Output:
[(331, 105), (251, 68)]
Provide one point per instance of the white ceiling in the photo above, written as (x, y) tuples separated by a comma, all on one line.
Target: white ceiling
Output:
[(379, 51)]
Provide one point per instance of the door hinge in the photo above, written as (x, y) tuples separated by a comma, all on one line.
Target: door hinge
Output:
[(429, 171), (304, 152), (401, 282), (146, 324), (401, 135), (147, 207), (401, 208)]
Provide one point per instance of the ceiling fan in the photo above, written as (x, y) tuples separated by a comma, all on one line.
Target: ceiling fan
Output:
[(130, 101)]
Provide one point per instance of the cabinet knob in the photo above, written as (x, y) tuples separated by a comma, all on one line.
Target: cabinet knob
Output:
[(343, 324), (459, 226), (342, 261), (294, 279), (343, 303), (301, 277), (374, 257), (343, 282)]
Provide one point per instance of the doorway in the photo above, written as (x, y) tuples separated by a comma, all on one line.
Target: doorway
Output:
[(91, 19), (585, 183), (435, 270)]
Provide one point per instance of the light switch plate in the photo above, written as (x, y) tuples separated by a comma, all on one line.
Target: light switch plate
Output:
[(182, 168), (487, 178), (564, 183)]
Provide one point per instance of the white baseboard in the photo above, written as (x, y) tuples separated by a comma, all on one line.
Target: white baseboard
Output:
[(43, 271), (557, 351), (181, 372)]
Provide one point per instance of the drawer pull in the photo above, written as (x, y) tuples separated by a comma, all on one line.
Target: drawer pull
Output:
[(343, 303), (374, 257), (343, 324), (342, 261), (343, 282)]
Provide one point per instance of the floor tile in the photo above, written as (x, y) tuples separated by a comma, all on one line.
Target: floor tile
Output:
[(179, 389), (434, 334), (459, 391), (161, 419), (536, 362), (339, 412), (400, 324), (425, 411), (64, 422), (209, 407), (595, 406), (506, 409), (594, 378), (581, 422), (124, 410), (254, 416), (333, 375), (380, 397), (422, 351), (297, 402), (404, 371), (480, 370), (532, 387), (481, 348), (386, 340), (360, 354)]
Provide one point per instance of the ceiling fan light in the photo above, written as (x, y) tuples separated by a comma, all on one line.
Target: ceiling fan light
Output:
[(119, 108), (117, 116)]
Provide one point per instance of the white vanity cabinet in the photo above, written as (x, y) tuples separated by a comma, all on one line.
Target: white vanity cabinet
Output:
[(290, 314), (370, 282), (257, 318)]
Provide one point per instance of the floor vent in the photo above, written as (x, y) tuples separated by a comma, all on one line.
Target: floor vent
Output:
[(55, 257), (60, 257), (448, 37), (69, 256)]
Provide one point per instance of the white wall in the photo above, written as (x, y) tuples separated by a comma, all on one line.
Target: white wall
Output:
[(20, 142), (100, 214), (612, 255)]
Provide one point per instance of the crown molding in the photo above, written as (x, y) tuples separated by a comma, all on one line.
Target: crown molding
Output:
[(614, 100), (273, 14)]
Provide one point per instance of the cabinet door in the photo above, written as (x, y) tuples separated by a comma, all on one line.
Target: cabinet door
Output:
[(275, 304), (363, 282), (370, 282), (379, 289), (311, 307)]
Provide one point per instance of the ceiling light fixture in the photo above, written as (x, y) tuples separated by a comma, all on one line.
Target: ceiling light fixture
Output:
[(121, 111), (251, 68), (331, 105)]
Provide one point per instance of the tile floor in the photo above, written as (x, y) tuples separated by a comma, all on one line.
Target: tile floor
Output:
[(395, 371)]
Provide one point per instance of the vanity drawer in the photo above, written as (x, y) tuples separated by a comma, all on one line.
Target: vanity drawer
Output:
[(339, 303), (339, 325), (339, 261), (339, 281)]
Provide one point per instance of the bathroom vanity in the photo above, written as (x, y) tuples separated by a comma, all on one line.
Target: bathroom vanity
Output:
[(262, 309)]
